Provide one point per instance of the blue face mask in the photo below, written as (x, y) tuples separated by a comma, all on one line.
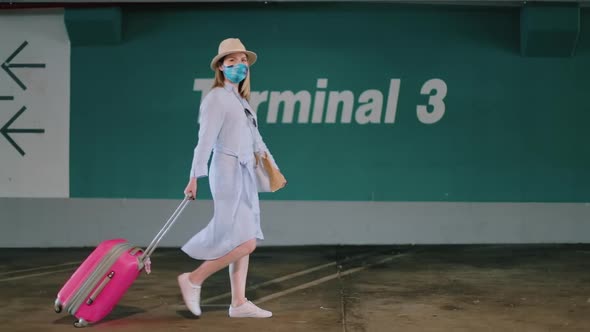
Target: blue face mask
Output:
[(236, 73)]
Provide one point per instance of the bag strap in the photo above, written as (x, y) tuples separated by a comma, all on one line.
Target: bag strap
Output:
[(249, 115)]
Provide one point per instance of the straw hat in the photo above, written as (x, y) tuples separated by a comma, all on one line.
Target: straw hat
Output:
[(229, 46)]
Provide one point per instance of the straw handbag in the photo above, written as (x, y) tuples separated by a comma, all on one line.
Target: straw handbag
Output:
[(268, 178)]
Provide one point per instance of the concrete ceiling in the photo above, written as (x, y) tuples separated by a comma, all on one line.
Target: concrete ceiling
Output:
[(510, 3)]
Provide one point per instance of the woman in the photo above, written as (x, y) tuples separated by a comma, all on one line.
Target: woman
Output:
[(228, 127)]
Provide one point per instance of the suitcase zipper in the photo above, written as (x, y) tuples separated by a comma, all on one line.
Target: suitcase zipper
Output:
[(73, 302), (79, 296), (102, 285), (96, 275)]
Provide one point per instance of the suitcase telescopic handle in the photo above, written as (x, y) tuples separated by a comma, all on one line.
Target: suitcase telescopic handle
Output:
[(154, 244)]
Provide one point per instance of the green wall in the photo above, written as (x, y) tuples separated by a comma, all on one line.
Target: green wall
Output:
[(514, 128)]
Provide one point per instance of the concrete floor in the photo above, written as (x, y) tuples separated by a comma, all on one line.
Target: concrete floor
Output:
[(437, 288)]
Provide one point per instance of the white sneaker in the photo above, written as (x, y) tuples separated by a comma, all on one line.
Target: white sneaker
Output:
[(250, 310), (190, 294)]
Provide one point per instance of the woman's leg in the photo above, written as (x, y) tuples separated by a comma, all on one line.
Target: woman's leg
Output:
[(207, 268), (238, 272), (240, 306), (190, 283)]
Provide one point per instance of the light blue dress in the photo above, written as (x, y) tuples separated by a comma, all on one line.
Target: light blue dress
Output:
[(226, 130)]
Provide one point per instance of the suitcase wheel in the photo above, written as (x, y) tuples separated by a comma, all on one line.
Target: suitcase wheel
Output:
[(57, 306), (80, 323)]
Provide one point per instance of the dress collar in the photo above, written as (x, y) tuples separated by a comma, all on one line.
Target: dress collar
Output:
[(229, 87)]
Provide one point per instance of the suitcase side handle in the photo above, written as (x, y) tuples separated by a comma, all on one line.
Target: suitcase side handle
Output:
[(100, 287), (154, 244)]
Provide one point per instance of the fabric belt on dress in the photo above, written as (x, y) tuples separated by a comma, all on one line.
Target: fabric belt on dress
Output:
[(244, 160)]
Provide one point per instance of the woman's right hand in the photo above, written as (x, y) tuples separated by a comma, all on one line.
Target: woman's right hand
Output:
[(191, 189)]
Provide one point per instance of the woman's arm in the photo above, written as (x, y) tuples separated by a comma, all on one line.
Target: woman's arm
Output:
[(263, 148), (211, 120)]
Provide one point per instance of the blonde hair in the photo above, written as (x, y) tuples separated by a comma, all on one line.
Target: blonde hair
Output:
[(243, 87)]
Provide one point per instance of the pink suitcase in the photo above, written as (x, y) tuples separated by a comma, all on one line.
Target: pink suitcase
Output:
[(96, 287)]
